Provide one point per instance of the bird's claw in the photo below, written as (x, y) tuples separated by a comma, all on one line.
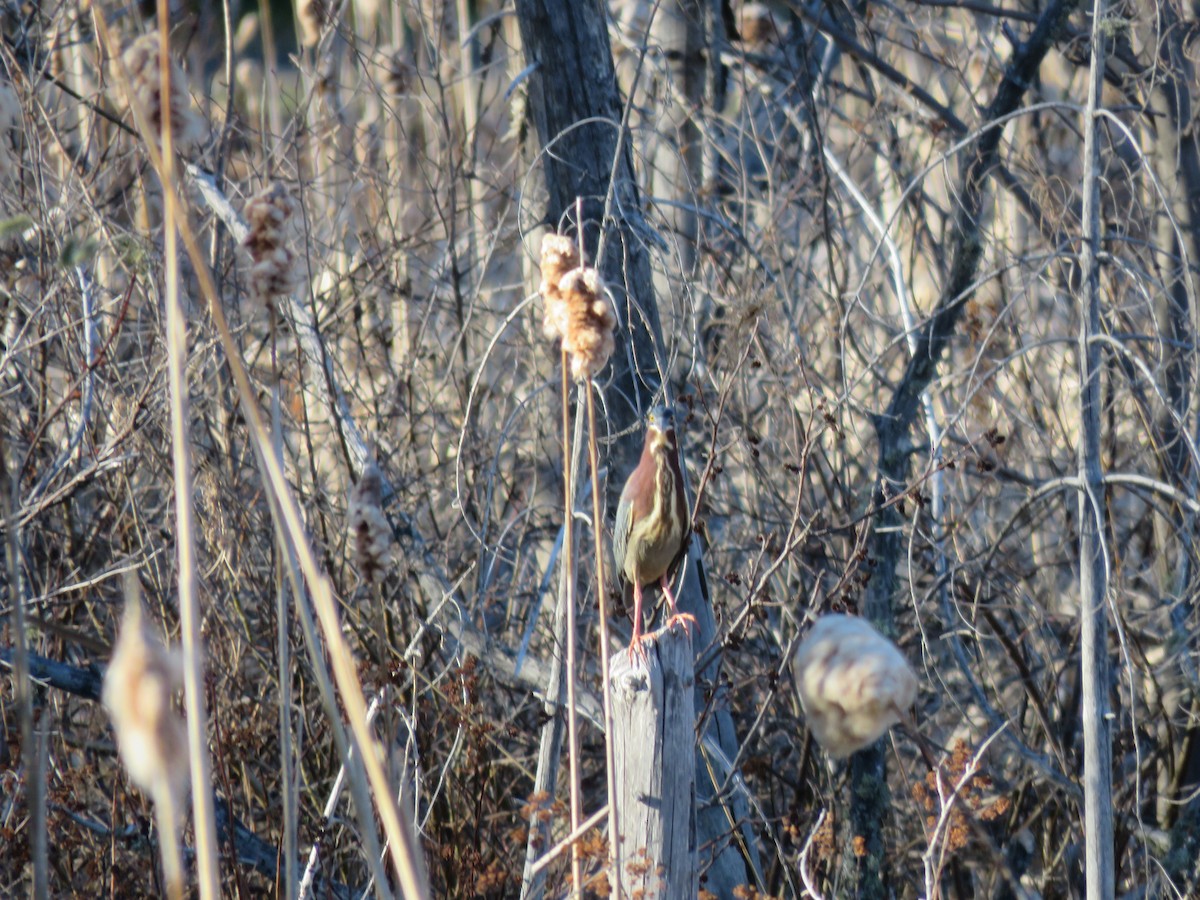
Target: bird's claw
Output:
[(637, 649), (686, 619)]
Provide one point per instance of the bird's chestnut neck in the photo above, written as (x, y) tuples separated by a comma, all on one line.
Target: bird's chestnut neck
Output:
[(658, 441)]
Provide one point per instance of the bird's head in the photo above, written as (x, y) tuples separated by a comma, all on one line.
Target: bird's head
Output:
[(660, 429)]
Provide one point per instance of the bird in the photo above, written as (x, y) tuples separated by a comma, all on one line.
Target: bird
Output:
[(652, 525)]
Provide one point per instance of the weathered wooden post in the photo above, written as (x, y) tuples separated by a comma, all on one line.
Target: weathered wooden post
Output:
[(654, 731)]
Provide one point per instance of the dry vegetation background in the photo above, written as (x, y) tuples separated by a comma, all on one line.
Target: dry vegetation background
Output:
[(824, 180)]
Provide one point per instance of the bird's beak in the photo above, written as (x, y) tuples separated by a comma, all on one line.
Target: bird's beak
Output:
[(658, 438)]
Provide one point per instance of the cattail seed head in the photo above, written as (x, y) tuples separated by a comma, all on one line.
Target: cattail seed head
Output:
[(854, 683), (141, 679), (577, 307), (141, 61), (559, 256), (758, 25), (314, 15), (368, 526), (588, 338), (273, 262)]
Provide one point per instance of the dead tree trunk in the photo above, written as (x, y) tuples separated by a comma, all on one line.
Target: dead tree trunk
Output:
[(576, 108), (654, 731), (1093, 557)]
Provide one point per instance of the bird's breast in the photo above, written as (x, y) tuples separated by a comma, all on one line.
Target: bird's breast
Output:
[(656, 536)]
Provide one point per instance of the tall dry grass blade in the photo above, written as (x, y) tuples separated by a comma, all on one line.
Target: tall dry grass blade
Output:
[(181, 462), (283, 644)]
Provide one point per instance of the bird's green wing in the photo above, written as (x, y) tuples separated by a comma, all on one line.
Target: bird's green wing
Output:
[(621, 537)]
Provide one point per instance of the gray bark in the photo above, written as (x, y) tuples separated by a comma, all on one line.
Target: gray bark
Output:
[(1176, 160), (677, 31), (1093, 563)]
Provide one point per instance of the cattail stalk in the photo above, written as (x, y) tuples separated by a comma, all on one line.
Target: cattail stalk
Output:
[(610, 758), (283, 644), (10, 135), (569, 563), (578, 312), (36, 791)]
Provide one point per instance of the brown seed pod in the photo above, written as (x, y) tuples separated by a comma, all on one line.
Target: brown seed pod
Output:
[(314, 15), (394, 71), (559, 256), (588, 338), (141, 61), (854, 683), (758, 25), (273, 262), (369, 529)]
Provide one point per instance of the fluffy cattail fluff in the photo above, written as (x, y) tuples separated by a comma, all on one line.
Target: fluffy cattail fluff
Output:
[(577, 307), (141, 679), (314, 15), (368, 526), (10, 134), (141, 61), (559, 256), (273, 262), (854, 683), (588, 339)]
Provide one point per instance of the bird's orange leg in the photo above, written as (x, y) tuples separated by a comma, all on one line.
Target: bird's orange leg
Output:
[(676, 616), (635, 646)]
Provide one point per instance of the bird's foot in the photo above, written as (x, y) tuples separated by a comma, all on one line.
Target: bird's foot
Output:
[(637, 647), (686, 619)]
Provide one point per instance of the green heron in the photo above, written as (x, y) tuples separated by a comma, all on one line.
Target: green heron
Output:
[(652, 520)]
